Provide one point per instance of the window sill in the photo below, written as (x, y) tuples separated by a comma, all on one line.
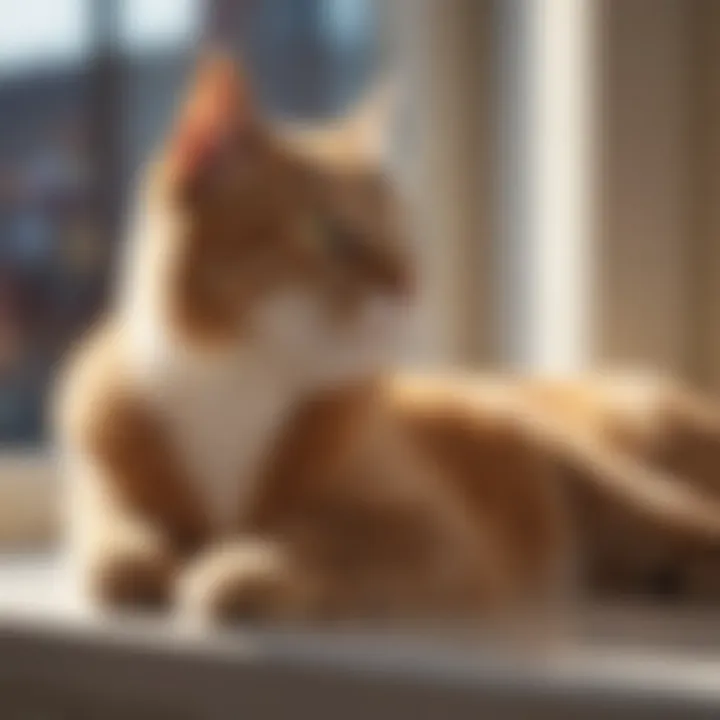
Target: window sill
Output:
[(623, 663), (28, 498)]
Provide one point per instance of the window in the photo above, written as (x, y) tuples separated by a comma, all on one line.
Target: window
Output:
[(162, 25), (513, 214), (48, 235), (86, 89), (38, 33), (501, 165)]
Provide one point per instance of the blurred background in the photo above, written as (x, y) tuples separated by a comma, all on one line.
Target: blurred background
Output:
[(86, 88), (563, 157)]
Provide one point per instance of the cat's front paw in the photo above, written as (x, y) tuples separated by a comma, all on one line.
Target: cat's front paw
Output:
[(136, 573), (247, 580)]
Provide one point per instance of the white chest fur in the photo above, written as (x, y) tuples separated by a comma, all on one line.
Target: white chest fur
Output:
[(223, 412), (223, 419)]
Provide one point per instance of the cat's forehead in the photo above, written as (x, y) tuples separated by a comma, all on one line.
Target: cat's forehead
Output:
[(332, 152), (360, 187)]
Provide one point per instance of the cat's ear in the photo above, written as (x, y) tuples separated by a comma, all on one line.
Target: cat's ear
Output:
[(218, 112), (371, 122)]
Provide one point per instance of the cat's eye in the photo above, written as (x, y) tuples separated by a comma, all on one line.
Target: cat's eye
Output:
[(219, 278), (341, 242), (333, 238)]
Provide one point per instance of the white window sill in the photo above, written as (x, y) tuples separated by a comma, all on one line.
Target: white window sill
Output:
[(629, 663), (29, 497)]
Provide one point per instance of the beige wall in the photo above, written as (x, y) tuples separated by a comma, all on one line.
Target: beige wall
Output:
[(445, 52), (656, 238), (706, 206), (645, 203), (659, 238)]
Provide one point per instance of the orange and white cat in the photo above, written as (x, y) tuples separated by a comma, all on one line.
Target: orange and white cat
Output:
[(237, 443)]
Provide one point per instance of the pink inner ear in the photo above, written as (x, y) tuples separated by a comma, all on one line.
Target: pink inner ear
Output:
[(218, 111), (193, 152)]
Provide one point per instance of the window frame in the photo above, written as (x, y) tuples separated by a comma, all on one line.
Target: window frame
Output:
[(462, 238), (151, 670), (29, 485), (29, 498)]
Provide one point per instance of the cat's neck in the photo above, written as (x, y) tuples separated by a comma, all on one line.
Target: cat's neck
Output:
[(223, 408), (157, 348), (224, 413)]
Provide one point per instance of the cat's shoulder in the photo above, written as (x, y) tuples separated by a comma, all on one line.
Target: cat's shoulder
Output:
[(482, 398), (460, 410), (92, 380)]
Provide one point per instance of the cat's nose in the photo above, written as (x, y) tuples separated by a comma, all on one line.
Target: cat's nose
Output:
[(396, 280), (665, 584), (379, 319), (406, 283)]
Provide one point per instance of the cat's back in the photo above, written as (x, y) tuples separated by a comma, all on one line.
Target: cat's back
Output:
[(471, 427), (101, 411), (469, 424)]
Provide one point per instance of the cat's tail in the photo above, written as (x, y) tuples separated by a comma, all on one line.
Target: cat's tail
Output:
[(648, 492), (680, 505)]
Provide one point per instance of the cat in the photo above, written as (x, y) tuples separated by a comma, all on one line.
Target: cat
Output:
[(667, 426), (236, 441)]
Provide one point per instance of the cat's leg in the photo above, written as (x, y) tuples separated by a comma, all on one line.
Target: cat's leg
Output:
[(134, 567), (117, 558), (243, 579), (132, 514)]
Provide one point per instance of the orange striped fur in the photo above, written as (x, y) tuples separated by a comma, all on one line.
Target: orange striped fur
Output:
[(238, 444)]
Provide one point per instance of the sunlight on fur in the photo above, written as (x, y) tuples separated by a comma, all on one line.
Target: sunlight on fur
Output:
[(239, 445)]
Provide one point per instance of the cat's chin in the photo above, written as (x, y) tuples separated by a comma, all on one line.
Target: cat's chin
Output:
[(340, 381), (294, 329), (343, 362)]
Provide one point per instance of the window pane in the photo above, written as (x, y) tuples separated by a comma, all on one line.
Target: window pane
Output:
[(306, 57), (42, 32), (49, 249), (310, 56), (158, 24)]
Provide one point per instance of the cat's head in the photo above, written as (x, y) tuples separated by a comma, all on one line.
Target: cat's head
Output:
[(287, 242)]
